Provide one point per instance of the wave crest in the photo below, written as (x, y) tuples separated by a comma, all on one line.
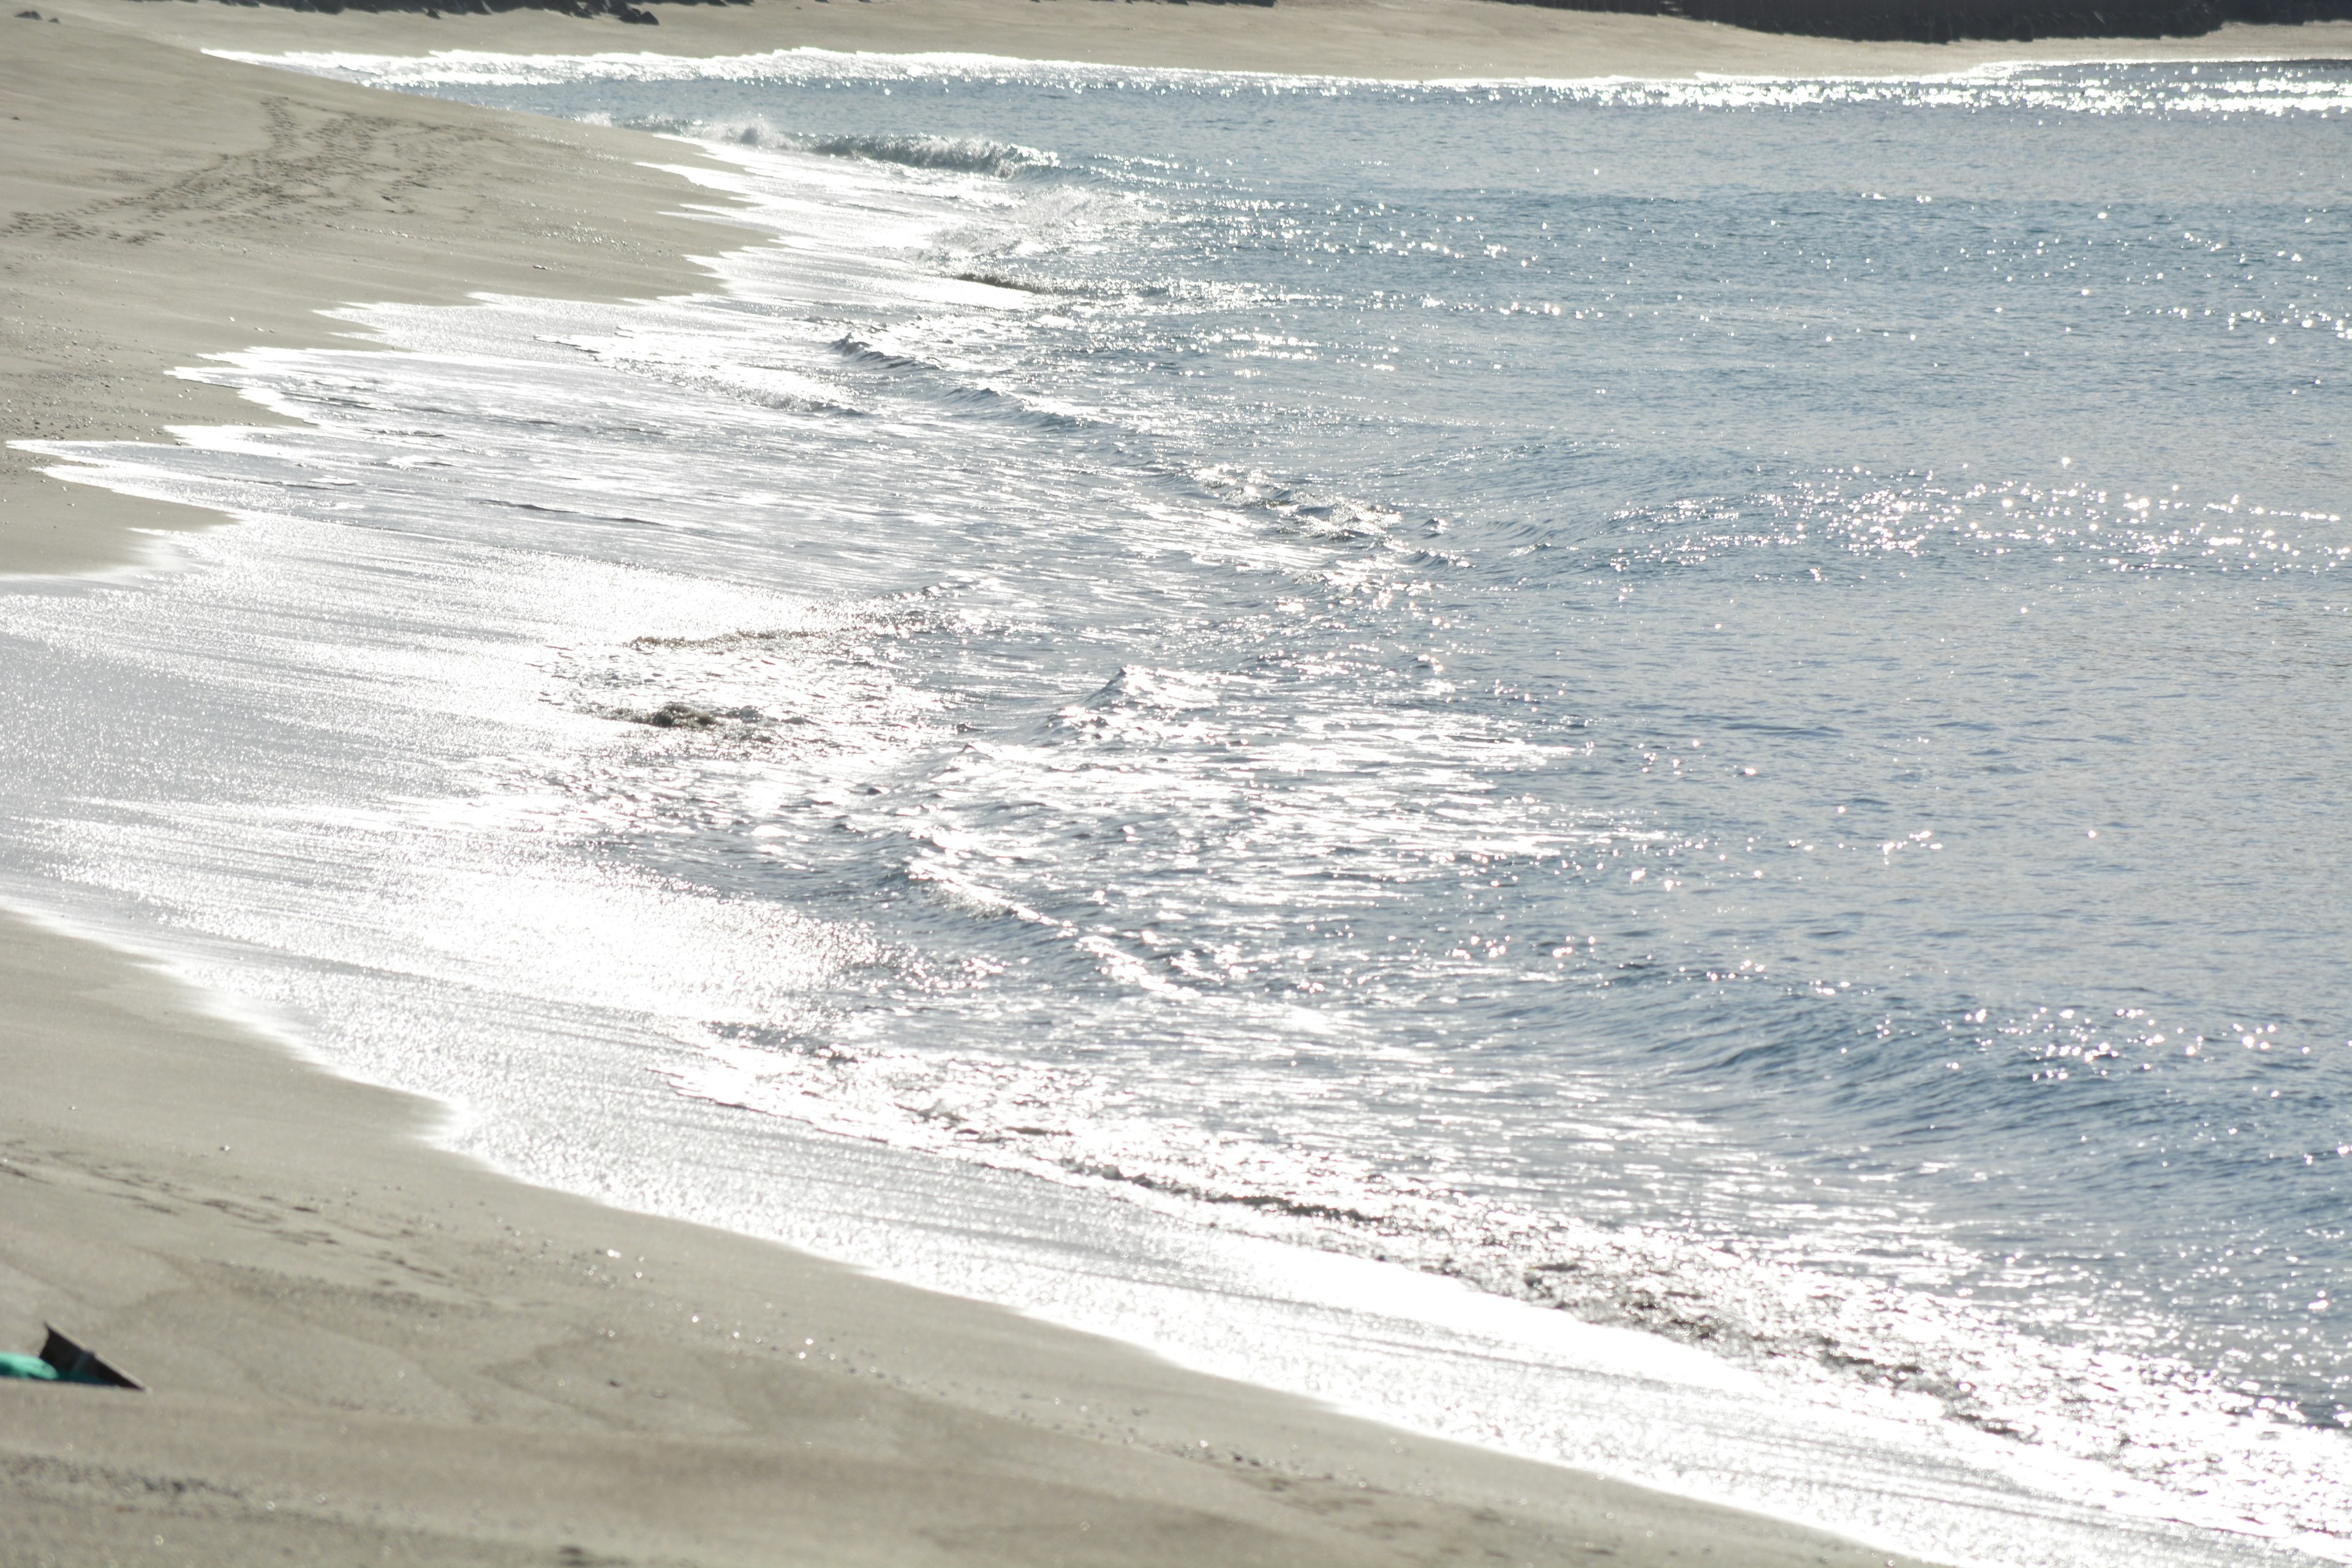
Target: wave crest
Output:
[(954, 154)]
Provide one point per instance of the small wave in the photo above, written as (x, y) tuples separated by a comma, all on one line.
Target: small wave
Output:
[(970, 155), (881, 355), (956, 155), (1026, 285), (1337, 518)]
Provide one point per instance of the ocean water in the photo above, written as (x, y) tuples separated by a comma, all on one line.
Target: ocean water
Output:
[(1653, 772)]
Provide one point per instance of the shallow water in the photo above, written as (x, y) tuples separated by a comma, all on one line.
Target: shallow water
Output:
[(1717, 705)]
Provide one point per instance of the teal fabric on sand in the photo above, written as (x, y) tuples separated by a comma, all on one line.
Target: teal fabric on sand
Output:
[(33, 1366)]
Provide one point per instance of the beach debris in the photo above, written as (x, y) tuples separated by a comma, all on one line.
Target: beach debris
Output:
[(679, 716), (62, 1361), (687, 716)]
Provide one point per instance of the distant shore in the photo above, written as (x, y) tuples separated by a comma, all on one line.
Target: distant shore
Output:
[(143, 222), (1420, 39), (362, 1350)]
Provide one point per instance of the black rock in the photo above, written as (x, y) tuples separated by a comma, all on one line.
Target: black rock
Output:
[(1944, 21)]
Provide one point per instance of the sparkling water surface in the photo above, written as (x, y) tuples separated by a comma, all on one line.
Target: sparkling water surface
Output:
[(1722, 705)]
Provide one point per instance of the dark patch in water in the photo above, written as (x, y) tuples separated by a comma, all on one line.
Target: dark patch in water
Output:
[(687, 716)]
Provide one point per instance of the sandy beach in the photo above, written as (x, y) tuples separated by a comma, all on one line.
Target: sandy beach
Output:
[(359, 1349)]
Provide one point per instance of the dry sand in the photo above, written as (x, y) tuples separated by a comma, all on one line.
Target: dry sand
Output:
[(359, 1349)]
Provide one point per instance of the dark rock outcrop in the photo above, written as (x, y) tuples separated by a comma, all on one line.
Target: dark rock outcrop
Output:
[(1944, 21)]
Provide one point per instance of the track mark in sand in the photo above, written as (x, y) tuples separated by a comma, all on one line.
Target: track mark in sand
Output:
[(318, 166), (56, 1475), (295, 1223)]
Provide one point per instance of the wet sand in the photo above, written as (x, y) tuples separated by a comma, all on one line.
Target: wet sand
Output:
[(361, 1349)]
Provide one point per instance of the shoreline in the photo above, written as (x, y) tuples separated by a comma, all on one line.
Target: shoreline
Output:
[(353, 1315), (358, 1347)]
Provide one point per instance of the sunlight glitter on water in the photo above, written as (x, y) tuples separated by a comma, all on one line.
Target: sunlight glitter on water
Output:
[(1680, 781)]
